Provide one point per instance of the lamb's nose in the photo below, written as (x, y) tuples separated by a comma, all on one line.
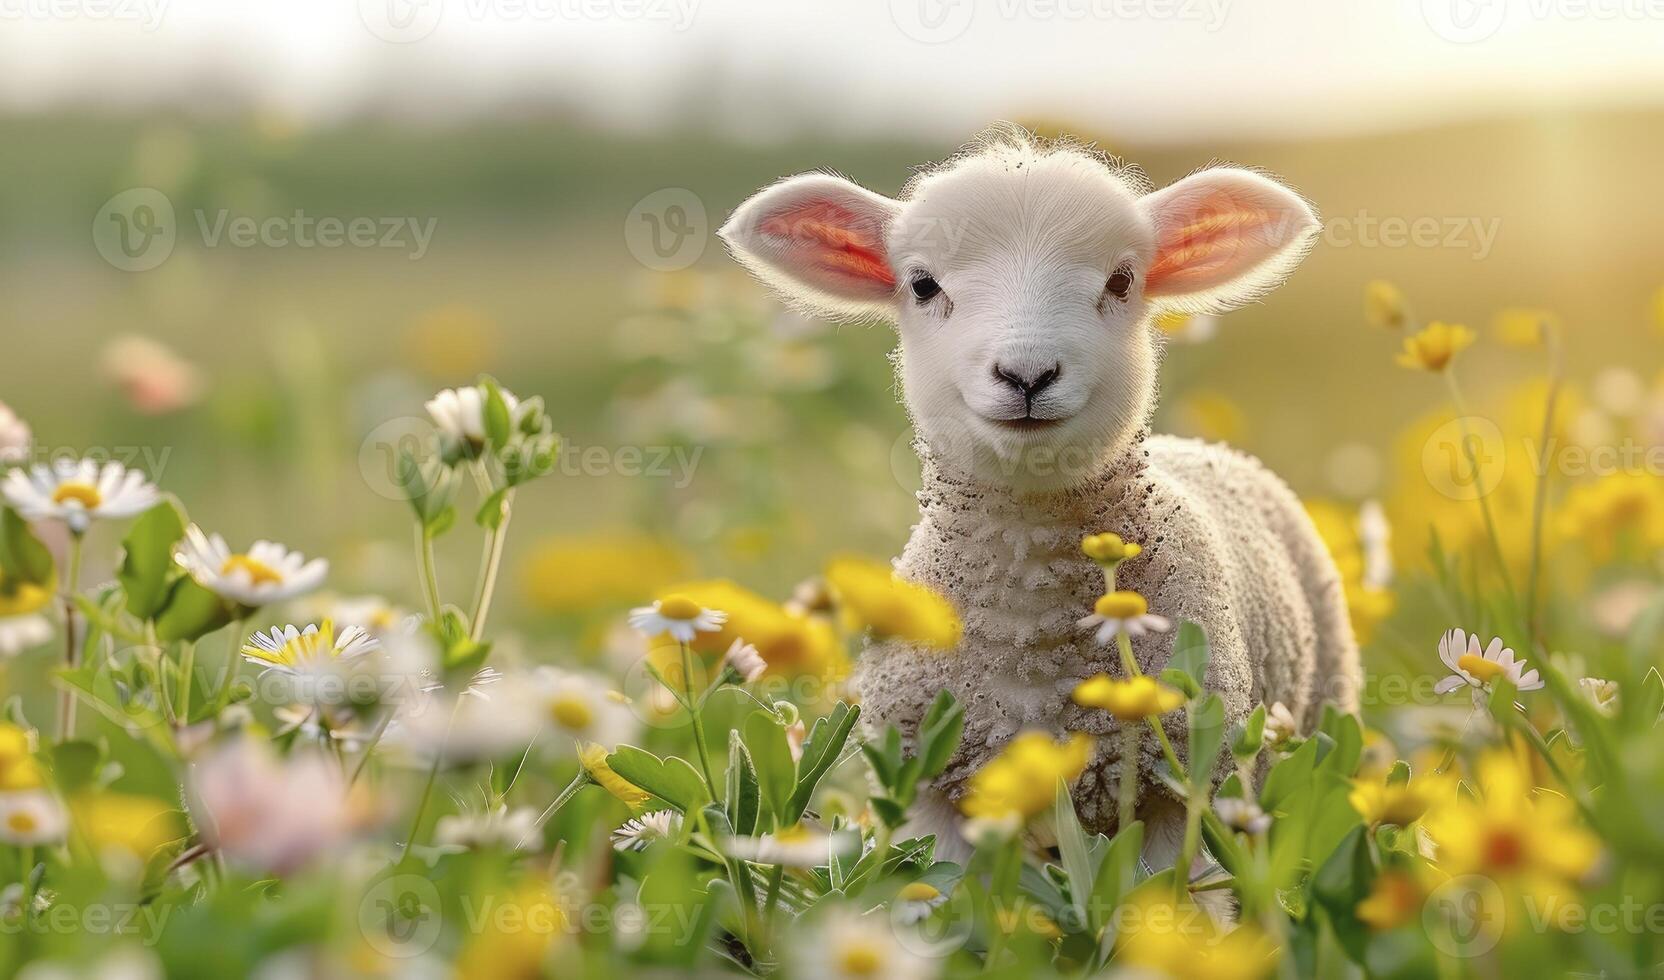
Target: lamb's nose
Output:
[(1030, 385)]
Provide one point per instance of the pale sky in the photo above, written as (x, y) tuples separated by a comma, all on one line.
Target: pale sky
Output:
[(1146, 69)]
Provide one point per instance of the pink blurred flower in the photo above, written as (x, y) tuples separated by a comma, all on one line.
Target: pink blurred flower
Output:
[(155, 379)]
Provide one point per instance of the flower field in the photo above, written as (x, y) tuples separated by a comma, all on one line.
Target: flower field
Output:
[(235, 771)]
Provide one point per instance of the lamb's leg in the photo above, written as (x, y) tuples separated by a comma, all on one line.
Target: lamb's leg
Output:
[(1164, 821)]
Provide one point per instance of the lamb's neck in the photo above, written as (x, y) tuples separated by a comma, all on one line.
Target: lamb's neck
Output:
[(1011, 562)]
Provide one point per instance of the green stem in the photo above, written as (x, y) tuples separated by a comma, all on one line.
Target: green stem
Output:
[(578, 782), (776, 875), (187, 666), (430, 576), (1131, 665), (493, 561), (1551, 338), (370, 747), (1128, 775), (234, 650), (1192, 838), (71, 585), (1484, 503), (698, 727), (427, 788)]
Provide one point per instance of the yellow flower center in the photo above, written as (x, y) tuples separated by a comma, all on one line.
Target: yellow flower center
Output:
[(26, 598), (860, 960), (1121, 605), (572, 713), (259, 573), (85, 493), (1483, 670), (1503, 849), (1108, 548), (919, 891), (678, 607), (21, 822)]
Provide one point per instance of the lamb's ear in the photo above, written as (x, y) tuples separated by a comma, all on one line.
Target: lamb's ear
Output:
[(1224, 238), (818, 240)]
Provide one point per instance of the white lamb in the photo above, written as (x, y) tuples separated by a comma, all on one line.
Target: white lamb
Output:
[(1024, 277)]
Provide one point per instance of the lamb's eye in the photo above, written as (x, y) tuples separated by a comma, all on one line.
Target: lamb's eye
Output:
[(1120, 282), (925, 288)]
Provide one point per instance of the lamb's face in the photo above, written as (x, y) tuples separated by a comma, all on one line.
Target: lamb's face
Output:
[(1023, 279), (1027, 356)]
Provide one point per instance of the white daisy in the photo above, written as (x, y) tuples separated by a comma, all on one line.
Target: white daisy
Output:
[(265, 574), (30, 817), (1602, 693), (1241, 814), (78, 492), (1478, 668), (15, 437), (745, 661), (289, 650), (848, 945), (1375, 538), (678, 616), (460, 415), (638, 832), (583, 706), (1123, 613), (21, 624), (916, 901), (796, 846), (1280, 725), (502, 828)]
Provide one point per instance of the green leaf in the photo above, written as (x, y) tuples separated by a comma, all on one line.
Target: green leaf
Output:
[(1207, 735), (22, 557), (75, 765), (1293, 772), (1190, 653), (147, 565), (190, 612), (1071, 846), (492, 512), (820, 750), (744, 799), (671, 779), (1248, 736), (771, 754), (939, 733), (1116, 875), (498, 423)]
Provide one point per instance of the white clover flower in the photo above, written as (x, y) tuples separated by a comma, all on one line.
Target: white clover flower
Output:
[(78, 492), (745, 660), (1602, 693), (1478, 668), (33, 816), (915, 901), (15, 437), (583, 706), (460, 414), (509, 830), (1241, 814), (265, 574), (638, 832), (1280, 724), (1123, 613), (848, 945), (290, 650), (678, 617)]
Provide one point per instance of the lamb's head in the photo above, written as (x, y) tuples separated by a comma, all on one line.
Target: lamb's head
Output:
[(1024, 278)]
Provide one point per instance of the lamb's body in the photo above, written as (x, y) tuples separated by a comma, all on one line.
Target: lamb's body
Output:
[(1226, 545)]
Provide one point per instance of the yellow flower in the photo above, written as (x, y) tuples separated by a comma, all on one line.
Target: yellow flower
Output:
[(1523, 328), (1133, 699), (22, 598), (1186, 943), (874, 597), (139, 824), (1658, 309), (1022, 780), (580, 573), (1211, 415), (1435, 346), (1515, 833), (791, 643), (1599, 514), (1401, 804), (1394, 900), (1108, 549), (594, 759), (514, 940), (18, 769), (1384, 305)]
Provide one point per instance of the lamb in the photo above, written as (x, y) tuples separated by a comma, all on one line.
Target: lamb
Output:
[(1024, 277)]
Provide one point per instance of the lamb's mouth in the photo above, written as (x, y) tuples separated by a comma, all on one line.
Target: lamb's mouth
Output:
[(1027, 423)]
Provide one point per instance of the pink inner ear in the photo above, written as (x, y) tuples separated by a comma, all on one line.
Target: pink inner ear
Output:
[(827, 240), (1216, 238)]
